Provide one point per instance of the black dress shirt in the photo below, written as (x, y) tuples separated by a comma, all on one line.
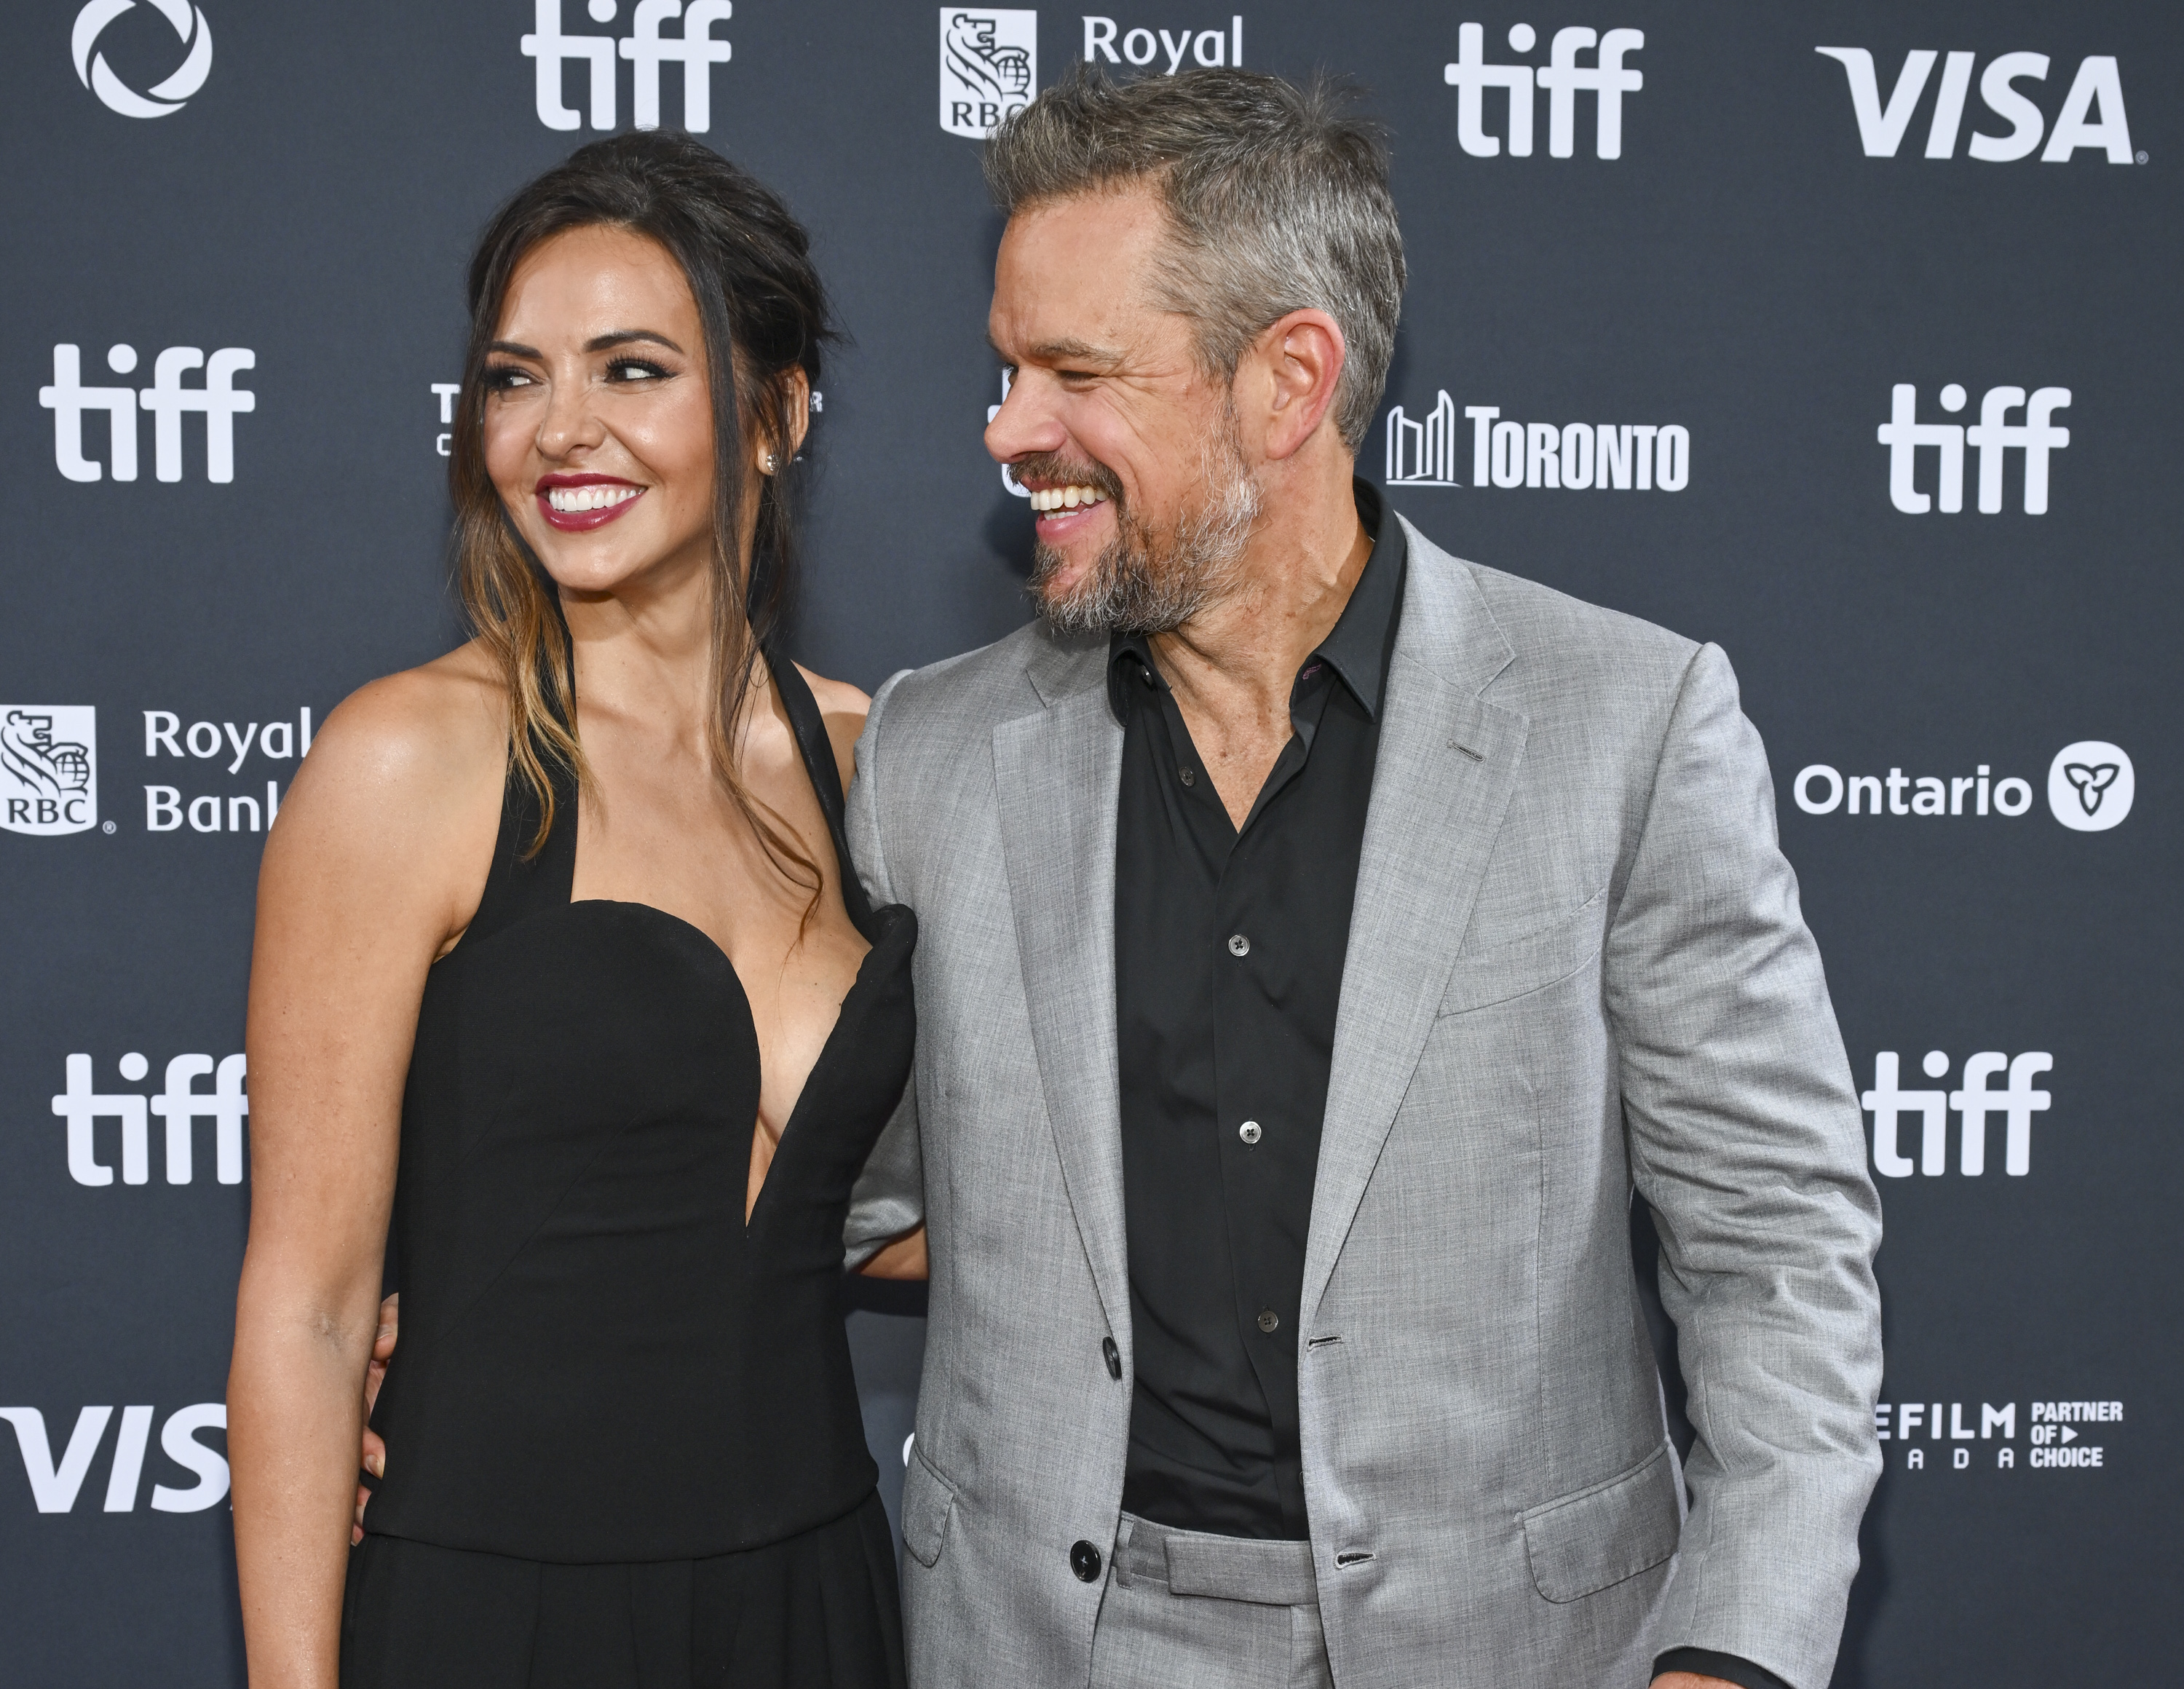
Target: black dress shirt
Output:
[(1229, 956), (1228, 961)]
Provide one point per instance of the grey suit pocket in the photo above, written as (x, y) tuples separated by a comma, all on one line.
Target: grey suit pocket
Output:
[(1579, 1544), (1522, 966), (928, 1500)]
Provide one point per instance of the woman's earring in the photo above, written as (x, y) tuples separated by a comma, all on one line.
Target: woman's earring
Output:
[(768, 465)]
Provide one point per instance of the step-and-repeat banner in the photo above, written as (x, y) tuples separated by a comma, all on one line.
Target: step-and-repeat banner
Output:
[(1844, 334)]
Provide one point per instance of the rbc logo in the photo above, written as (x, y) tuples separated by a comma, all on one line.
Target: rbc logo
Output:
[(167, 400), (1993, 434), (48, 768), (647, 49), (989, 68), (93, 70), (1607, 79)]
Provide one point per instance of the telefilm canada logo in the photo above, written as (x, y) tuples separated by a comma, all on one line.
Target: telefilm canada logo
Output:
[(1951, 1431), (164, 96), (1642, 457), (647, 48), (1607, 79), (170, 398), (2092, 114), (989, 68), (2090, 787), (48, 768), (56, 1479)]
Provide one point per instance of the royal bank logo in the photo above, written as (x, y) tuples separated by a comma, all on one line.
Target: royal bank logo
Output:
[(989, 68), (2091, 785), (2098, 87), (48, 768), (164, 97)]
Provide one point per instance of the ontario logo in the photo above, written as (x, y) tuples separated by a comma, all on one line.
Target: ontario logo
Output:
[(48, 768), (989, 68), (2091, 785), (166, 97)]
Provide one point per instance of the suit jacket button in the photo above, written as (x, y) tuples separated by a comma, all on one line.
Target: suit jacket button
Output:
[(1114, 1356), (1268, 1319), (1084, 1561)]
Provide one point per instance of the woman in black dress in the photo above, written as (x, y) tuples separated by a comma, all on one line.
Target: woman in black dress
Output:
[(562, 968)]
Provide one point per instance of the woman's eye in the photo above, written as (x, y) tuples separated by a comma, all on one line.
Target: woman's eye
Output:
[(505, 378), (635, 370)]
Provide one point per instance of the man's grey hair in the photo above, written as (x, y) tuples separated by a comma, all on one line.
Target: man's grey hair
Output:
[(1277, 199)]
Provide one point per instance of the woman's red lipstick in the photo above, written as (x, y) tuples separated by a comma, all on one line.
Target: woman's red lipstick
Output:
[(577, 489)]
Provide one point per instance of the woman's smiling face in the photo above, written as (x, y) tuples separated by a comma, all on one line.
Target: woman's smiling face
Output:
[(599, 415)]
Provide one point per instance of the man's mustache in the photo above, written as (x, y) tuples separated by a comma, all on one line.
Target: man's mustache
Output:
[(1056, 470)]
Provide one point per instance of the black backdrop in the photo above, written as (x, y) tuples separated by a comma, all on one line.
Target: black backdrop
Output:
[(1785, 253)]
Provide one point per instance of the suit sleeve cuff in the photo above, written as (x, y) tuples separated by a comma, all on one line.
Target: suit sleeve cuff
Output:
[(1705, 1663)]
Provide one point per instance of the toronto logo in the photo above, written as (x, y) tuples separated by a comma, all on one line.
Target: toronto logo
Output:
[(93, 70), (48, 768), (989, 68)]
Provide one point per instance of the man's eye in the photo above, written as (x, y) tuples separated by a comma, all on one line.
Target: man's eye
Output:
[(635, 370)]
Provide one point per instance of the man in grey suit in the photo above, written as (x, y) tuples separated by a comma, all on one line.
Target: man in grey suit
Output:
[(1323, 938)]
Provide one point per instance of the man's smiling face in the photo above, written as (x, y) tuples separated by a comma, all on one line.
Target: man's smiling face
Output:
[(1141, 498)]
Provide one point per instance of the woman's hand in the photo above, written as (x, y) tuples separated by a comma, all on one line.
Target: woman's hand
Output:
[(373, 1454)]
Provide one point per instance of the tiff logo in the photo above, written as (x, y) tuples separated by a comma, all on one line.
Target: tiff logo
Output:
[(647, 50), (2017, 1102), (1607, 79), (219, 400), (1881, 129), (1993, 435), (180, 1104)]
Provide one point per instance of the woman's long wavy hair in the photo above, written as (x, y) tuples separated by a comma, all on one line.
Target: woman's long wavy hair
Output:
[(764, 315)]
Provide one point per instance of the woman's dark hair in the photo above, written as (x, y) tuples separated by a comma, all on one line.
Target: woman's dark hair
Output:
[(764, 315)]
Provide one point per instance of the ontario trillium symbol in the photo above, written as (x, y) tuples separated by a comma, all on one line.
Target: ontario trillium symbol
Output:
[(2091, 781)]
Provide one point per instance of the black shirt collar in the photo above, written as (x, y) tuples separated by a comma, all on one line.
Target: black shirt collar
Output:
[(1359, 646)]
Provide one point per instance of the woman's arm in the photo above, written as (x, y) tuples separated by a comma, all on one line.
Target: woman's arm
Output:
[(378, 858)]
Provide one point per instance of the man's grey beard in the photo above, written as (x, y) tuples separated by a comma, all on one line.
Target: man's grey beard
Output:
[(1150, 582)]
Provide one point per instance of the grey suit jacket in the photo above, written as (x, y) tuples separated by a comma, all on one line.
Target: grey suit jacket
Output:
[(1576, 967)]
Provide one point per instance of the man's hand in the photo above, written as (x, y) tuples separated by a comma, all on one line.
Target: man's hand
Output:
[(374, 1451), (1684, 1680)]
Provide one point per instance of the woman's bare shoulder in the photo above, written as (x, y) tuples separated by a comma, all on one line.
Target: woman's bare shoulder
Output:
[(411, 753)]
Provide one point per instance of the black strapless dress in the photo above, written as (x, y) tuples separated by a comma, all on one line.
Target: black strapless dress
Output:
[(624, 1445)]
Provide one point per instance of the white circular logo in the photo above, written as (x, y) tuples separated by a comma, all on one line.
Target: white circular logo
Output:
[(2089, 786), (93, 70)]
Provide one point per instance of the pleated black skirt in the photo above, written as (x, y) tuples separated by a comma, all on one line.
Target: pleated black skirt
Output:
[(819, 1611)]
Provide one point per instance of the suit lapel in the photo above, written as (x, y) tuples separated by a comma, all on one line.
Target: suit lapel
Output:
[(1057, 772), (1446, 765)]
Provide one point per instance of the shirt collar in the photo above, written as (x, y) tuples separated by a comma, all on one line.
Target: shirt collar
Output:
[(1359, 645)]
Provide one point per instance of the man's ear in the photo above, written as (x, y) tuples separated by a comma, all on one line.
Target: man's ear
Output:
[(1297, 364)]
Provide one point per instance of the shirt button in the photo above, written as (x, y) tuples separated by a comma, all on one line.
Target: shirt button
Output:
[(1113, 1356), (1249, 1131), (1268, 1319), (1239, 944), (1084, 1561)]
